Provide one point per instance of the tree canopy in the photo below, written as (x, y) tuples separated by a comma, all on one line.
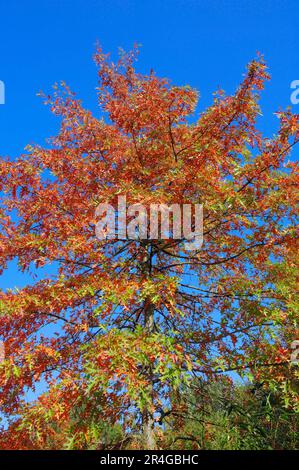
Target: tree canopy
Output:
[(125, 326)]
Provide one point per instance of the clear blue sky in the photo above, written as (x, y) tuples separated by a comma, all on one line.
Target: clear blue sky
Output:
[(204, 43)]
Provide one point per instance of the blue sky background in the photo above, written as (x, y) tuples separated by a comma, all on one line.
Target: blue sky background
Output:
[(203, 43)]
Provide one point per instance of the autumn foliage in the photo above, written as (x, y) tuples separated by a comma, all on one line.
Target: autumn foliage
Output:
[(121, 327)]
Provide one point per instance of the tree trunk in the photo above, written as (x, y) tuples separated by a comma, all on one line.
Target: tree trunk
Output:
[(147, 417), (148, 431), (148, 422)]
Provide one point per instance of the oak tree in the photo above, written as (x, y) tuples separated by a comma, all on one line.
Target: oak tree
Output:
[(124, 324)]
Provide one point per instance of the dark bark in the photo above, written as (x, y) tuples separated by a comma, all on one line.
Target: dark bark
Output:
[(148, 422)]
